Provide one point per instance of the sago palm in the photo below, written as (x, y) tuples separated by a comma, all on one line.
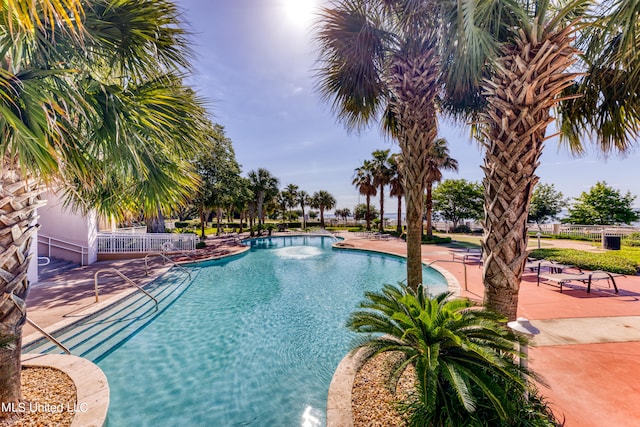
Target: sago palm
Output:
[(466, 372)]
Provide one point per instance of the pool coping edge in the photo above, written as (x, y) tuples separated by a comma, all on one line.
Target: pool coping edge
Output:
[(92, 387)]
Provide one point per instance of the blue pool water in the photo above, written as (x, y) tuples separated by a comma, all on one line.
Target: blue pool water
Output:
[(253, 341)]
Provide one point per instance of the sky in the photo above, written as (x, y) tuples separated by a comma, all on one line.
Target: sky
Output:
[(254, 65)]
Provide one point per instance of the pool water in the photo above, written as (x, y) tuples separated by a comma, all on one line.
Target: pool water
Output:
[(253, 341)]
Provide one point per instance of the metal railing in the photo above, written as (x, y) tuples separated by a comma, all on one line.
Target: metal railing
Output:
[(38, 328), (128, 280), (165, 258), (594, 232), (54, 242), (48, 336), (149, 242)]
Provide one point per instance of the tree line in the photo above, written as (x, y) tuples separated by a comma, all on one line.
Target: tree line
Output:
[(223, 191)]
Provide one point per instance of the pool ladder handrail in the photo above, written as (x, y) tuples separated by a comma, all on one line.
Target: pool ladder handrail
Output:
[(39, 329), (128, 280), (48, 336), (160, 254)]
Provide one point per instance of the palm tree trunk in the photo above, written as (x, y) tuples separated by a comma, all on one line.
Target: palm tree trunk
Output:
[(520, 96), (399, 221), (203, 217), (429, 204), (368, 214), (381, 225), (19, 199), (156, 224), (415, 88), (321, 216)]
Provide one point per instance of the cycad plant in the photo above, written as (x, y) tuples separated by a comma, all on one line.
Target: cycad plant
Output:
[(466, 370)]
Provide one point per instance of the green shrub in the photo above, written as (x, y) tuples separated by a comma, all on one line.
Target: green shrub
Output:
[(201, 245), (435, 239), (466, 373), (462, 228)]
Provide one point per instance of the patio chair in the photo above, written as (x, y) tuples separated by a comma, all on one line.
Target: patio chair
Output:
[(585, 278)]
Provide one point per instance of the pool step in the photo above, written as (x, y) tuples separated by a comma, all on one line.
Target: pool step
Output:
[(96, 336)]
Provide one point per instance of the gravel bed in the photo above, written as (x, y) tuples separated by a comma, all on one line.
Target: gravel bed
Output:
[(372, 402), (48, 399)]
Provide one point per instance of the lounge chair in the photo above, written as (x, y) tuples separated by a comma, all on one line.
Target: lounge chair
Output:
[(563, 278), (472, 255)]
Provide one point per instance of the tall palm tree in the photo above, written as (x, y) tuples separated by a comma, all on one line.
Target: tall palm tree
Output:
[(381, 176), (363, 180), (303, 200), (323, 200), (438, 159), (379, 61), (396, 190), (92, 114), (264, 187), (538, 70), (463, 356), (291, 192)]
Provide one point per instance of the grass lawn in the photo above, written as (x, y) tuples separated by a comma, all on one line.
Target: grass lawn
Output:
[(624, 261)]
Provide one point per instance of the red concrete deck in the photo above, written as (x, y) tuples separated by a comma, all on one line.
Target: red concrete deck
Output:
[(591, 382)]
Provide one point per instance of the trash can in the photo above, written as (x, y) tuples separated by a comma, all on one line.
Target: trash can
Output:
[(611, 242)]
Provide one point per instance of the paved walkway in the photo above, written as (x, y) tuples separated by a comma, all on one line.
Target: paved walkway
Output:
[(588, 352)]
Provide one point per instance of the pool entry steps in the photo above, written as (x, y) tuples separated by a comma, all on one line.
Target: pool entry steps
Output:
[(97, 335)]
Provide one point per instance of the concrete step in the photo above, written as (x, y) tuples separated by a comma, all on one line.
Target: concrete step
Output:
[(96, 336)]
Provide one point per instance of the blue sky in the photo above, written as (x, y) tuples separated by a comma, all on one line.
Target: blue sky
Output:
[(255, 64)]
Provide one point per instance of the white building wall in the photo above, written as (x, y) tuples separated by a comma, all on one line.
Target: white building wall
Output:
[(64, 234)]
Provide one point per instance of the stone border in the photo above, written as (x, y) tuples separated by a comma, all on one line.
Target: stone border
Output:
[(92, 388), (339, 408)]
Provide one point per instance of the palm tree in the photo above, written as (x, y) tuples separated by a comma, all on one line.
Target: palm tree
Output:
[(96, 114), (322, 200), (381, 177), (264, 187), (438, 159), (363, 180), (463, 357), (291, 192), (380, 58), (395, 182), (303, 199), (537, 70)]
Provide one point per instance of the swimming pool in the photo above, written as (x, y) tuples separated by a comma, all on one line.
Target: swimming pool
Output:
[(254, 340)]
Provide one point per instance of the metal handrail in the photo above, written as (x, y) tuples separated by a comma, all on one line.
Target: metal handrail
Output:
[(36, 327), (457, 262), (160, 254), (84, 250), (48, 336), (128, 280)]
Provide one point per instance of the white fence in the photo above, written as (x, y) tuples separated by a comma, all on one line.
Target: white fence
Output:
[(589, 231), (109, 243)]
